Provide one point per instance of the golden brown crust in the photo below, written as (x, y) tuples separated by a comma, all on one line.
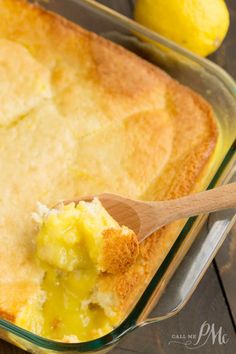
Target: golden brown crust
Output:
[(13, 295), (120, 250), (124, 126), (7, 316)]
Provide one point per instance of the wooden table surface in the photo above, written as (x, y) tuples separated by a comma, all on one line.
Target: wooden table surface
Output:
[(214, 300)]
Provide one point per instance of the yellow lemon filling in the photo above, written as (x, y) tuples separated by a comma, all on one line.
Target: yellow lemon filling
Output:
[(77, 244), (72, 236)]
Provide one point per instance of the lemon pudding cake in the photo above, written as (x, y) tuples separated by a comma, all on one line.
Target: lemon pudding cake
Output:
[(81, 115), (75, 245)]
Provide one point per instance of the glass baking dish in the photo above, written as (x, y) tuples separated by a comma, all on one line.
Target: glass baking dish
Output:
[(194, 249)]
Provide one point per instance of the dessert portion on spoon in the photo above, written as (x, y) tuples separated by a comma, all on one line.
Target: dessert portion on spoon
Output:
[(81, 235), (77, 245)]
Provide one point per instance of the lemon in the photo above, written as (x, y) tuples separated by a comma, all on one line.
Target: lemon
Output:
[(198, 25)]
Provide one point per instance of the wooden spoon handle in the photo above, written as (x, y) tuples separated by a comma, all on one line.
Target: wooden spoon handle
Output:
[(219, 198)]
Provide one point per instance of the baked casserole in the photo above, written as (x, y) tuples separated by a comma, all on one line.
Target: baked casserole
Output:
[(81, 115)]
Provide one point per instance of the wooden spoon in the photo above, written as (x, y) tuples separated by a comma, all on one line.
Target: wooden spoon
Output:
[(144, 218)]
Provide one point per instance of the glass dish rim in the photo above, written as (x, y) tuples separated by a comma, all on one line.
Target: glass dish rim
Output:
[(130, 323)]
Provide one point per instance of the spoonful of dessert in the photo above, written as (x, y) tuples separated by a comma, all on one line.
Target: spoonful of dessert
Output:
[(145, 217)]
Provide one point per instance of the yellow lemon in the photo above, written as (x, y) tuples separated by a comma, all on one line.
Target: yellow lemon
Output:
[(199, 25)]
